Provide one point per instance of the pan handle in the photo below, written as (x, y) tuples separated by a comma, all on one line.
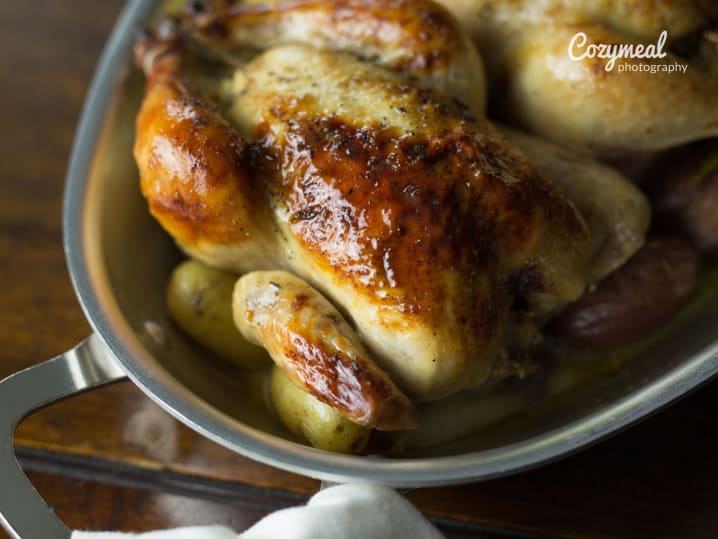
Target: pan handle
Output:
[(22, 512)]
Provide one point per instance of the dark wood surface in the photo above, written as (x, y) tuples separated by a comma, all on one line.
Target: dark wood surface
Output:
[(111, 459)]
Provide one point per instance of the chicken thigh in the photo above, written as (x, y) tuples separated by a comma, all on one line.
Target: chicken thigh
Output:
[(413, 215)]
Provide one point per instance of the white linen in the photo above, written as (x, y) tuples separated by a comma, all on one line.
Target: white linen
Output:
[(339, 512)]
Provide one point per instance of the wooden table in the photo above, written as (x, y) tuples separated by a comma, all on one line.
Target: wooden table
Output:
[(111, 459)]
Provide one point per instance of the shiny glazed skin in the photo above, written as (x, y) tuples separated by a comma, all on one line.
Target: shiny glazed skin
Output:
[(313, 344), (193, 170), (414, 217)]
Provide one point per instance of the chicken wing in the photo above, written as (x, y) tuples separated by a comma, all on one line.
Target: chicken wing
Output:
[(193, 169), (312, 343)]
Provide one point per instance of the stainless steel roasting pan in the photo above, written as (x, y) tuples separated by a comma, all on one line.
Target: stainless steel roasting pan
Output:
[(119, 260)]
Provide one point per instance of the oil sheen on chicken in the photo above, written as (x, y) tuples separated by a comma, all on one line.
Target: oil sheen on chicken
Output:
[(410, 213)]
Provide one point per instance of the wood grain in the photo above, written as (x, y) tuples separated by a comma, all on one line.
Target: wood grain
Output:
[(658, 480), (90, 505), (84, 503)]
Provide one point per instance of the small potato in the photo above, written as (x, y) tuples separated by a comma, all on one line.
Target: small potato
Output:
[(199, 300), (311, 419), (635, 299), (684, 193)]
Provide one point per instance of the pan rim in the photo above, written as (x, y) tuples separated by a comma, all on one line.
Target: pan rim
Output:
[(293, 457)]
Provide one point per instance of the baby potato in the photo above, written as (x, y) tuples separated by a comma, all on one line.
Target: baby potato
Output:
[(199, 300), (308, 417)]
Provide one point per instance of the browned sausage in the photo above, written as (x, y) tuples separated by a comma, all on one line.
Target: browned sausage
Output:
[(635, 299)]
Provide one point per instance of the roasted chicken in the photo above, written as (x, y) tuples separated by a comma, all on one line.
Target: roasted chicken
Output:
[(415, 37), (395, 247), (374, 179), (582, 104)]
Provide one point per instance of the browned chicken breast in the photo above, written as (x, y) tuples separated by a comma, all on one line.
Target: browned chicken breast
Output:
[(390, 198)]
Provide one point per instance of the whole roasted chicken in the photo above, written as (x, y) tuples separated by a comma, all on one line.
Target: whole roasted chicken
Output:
[(395, 247)]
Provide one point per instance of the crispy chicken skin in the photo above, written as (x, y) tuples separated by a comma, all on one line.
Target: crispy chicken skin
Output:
[(192, 163), (581, 104), (310, 340), (414, 217)]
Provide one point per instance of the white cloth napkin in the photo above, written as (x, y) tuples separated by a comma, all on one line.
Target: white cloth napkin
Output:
[(340, 512)]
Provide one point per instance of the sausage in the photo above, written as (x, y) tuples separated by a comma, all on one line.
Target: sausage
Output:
[(635, 299)]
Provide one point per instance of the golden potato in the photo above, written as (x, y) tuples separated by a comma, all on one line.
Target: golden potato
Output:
[(199, 300), (311, 419)]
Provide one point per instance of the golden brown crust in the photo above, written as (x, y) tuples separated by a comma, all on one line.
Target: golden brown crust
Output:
[(414, 216), (417, 38), (313, 344), (420, 26), (349, 384), (192, 163), (395, 212)]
